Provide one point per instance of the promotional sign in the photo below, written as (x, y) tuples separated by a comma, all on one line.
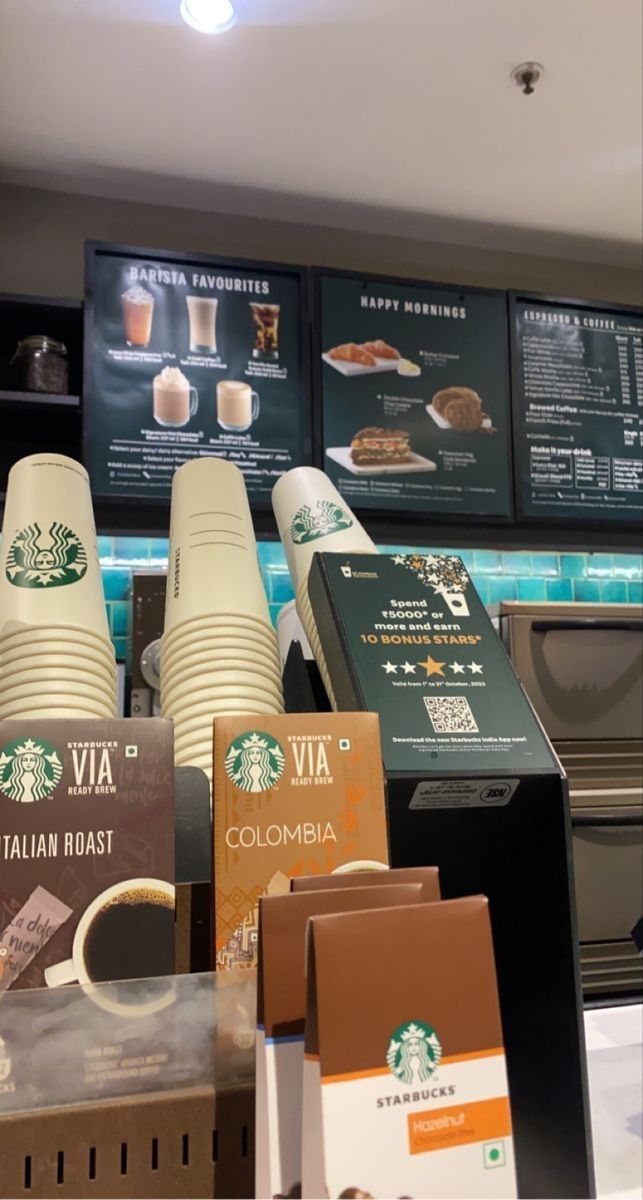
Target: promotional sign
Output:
[(578, 409), (407, 636), (186, 357), (413, 380)]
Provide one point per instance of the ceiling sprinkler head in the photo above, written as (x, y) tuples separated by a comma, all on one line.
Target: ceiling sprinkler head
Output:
[(526, 75)]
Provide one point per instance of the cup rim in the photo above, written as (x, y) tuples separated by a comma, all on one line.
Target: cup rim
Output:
[(222, 647), (229, 691), (56, 712), (55, 633), (222, 708), (44, 687), (224, 666), (42, 649), (213, 619), (35, 668)]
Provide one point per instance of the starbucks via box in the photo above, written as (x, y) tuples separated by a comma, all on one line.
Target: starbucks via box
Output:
[(297, 794), (405, 1082), (86, 851)]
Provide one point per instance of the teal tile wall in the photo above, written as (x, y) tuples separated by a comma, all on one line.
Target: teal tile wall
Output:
[(497, 574)]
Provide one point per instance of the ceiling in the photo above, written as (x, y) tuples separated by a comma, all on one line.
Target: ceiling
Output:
[(336, 109)]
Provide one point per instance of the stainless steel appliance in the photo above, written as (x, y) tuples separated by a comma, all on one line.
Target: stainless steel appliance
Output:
[(582, 666)]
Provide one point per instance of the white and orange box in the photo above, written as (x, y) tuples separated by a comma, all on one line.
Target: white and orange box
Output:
[(405, 1081), (281, 1002)]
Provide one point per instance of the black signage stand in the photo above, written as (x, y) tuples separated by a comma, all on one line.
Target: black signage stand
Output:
[(505, 833)]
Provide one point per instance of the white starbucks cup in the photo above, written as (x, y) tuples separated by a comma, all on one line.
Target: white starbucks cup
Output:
[(213, 565), (49, 568), (312, 516), (207, 634)]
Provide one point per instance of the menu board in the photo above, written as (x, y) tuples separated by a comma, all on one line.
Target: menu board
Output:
[(414, 395), (186, 357), (578, 410)]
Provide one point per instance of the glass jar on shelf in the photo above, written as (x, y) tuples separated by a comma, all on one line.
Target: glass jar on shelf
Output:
[(41, 365)]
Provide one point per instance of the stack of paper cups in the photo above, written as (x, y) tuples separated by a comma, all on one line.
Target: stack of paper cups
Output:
[(56, 657), (312, 516), (219, 651)]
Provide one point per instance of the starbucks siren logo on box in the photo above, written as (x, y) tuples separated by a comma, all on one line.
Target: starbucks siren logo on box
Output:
[(38, 561), (317, 521), (29, 770), (414, 1053), (254, 762)]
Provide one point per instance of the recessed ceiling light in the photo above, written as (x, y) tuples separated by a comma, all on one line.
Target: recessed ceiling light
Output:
[(208, 16)]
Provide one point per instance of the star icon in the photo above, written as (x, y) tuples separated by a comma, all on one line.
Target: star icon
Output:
[(399, 559), (390, 668), (457, 668), (432, 667), (408, 668), (475, 668)]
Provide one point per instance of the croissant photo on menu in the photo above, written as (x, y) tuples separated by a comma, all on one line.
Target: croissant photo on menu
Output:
[(380, 349), (351, 352)]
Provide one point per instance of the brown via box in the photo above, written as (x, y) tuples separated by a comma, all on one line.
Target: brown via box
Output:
[(281, 1005), (293, 795), (427, 877), (86, 851), (405, 1081)]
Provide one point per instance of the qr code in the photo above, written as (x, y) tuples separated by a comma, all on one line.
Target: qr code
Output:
[(450, 714)]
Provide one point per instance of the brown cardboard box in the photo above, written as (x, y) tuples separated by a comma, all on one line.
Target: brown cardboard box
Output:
[(410, 1061), (293, 795), (86, 851), (427, 877), (281, 1002)]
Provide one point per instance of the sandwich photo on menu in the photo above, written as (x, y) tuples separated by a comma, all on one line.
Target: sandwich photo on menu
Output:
[(375, 450)]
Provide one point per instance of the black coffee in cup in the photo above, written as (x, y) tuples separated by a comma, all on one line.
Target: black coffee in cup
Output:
[(131, 937)]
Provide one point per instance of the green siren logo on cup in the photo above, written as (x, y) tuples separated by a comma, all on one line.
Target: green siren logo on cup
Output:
[(318, 520), (254, 762), (29, 770), (36, 560), (414, 1053)]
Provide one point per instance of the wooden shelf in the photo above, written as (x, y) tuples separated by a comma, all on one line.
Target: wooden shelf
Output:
[(50, 399)]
